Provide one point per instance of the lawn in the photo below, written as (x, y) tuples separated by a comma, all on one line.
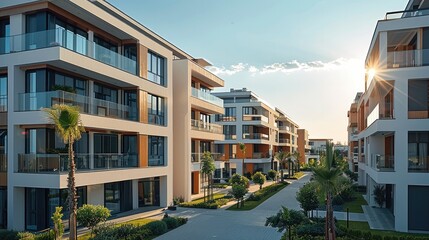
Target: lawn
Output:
[(363, 226), (215, 197), (355, 205), (249, 205)]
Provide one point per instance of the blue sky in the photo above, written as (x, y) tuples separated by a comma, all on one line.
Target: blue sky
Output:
[(305, 57)]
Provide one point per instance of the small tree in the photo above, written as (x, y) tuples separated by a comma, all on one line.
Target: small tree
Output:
[(91, 215), (307, 197), (379, 195), (259, 178), (58, 222), (238, 179), (238, 191), (286, 219), (207, 168), (283, 157), (272, 174)]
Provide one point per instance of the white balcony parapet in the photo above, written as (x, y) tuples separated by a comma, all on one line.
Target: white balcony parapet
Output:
[(207, 96)]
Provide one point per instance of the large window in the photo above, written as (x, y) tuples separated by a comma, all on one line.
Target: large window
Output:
[(148, 192), (4, 36), (129, 149), (230, 115), (43, 80), (118, 196), (418, 99), (156, 109), (3, 93), (156, 68), (130, 100), (230, 132), (250, 111), (157, 150), (105, 93), (418, 151)]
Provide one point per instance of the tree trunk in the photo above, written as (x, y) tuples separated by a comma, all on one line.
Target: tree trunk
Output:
[(72, 192), (330, 226), (204, 189)]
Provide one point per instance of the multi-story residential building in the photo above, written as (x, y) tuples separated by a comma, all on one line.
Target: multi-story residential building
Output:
[(393, 119), (194, 132), (303, 145), (120, 74), (317, 148), (263, 129), (352, 131)]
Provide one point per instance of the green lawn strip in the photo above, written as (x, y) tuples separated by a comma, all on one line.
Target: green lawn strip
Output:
[(249, 205), (215, 197), (140, 221), (355, 206), (364, 226)]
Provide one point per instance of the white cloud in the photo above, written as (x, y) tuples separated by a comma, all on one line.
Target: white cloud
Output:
[(285, 67)]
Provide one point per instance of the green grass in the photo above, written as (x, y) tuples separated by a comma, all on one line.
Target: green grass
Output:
[(249, 205), (363, 226), (355, 205), (297, 175), (215, 197)]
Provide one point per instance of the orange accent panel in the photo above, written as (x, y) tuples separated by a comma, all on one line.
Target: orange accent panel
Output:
[(226, 152), (196, 181), (143, 150), (142, 96), (249, 151), (248, 167), (3, 179), (142, 60)]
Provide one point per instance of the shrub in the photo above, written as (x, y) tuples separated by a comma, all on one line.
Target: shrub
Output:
[(8, 234), (124, 231), (171, 222), (209, 204), (317, 229), (48, 235), (90, 215), (307, 197), (157, 227), (272, 174), (178, 200), (58, 222), (181, 220), (24, 235), (259, 178)]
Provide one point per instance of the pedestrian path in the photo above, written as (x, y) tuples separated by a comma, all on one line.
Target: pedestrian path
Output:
[(379, 218)]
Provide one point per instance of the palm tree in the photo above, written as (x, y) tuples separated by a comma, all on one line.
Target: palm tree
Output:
[(68, 125), (207, 168), (327, 179), (283, 158), (242, 147), (297, 156)]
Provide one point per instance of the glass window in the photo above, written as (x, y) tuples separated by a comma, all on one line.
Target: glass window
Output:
[(129, 149), (105, 93), (230, 115), (4, 36), (112, 199), (418, 95), (156, 109), (229, 131), (418, 156), (130, 100), (157, 150), (156, 68), (148, 192), (3, 93)]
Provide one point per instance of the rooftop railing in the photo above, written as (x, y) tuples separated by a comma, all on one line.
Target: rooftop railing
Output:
[(406, 14), (61, 37), (207, 96), (93, 106)]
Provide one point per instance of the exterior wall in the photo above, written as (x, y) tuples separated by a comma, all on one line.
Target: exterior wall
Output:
[(303, 146)]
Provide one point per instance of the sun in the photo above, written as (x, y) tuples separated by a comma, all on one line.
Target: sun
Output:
[(371, 73)]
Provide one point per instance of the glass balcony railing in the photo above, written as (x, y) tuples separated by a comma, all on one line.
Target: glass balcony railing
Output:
[(3, 162), (255, 117), (92, 106), (284, 140), (207, 96), (230, 136), (156, 160), (3, 103), (407, 14), (383, 163), (74, 42), (284, 128), (408, 58), (261, 136), (257, 155), (59, 163), (196, 157), (418, 163), (206, 127)]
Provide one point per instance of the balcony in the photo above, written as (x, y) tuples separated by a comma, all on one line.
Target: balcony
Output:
[(408, 58), (57, 37), (230, 136), (207, 96), (383, 163), (206, 127), (284, 128), (3, 162), (406, 14), (196, 157), (377, 115), (92, 106), (59, 163), (284, 140), (418, 164), (257, 155), (255, 117), (261, 136)]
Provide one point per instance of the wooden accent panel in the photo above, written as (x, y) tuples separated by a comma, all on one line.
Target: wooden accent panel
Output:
[(417, 114), (195, 182), (249, 151), (143, 150), (226, 152), (3, 118), (142, 106), (3, 179), (142, 60), (249, 167)]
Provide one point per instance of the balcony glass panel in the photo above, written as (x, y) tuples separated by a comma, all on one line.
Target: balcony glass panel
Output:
[(206, 127), (256, 136), (206, 96), (408, 58), (92, 106), (55, 37), (383, 163), (249, 117)]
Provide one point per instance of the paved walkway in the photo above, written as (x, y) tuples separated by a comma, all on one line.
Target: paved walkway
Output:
[(379, 218)]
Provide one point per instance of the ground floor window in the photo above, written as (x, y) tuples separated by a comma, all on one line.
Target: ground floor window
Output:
[(148, 192), (418, 209), (118, 196), (3, 207)]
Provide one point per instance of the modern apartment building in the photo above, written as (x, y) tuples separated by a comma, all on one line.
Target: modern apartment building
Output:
[(317, 147), (352, 131), (263, 129), (303, 145), (120, 74), (194, 132), (393, 119)]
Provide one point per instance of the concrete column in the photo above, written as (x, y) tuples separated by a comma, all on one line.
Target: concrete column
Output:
[(17, 27), (400, 100), (135, 191), (401, 206), (91, 44), (165, 194), (383, 51), (16, 208), (91, 108), (91, 149)]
